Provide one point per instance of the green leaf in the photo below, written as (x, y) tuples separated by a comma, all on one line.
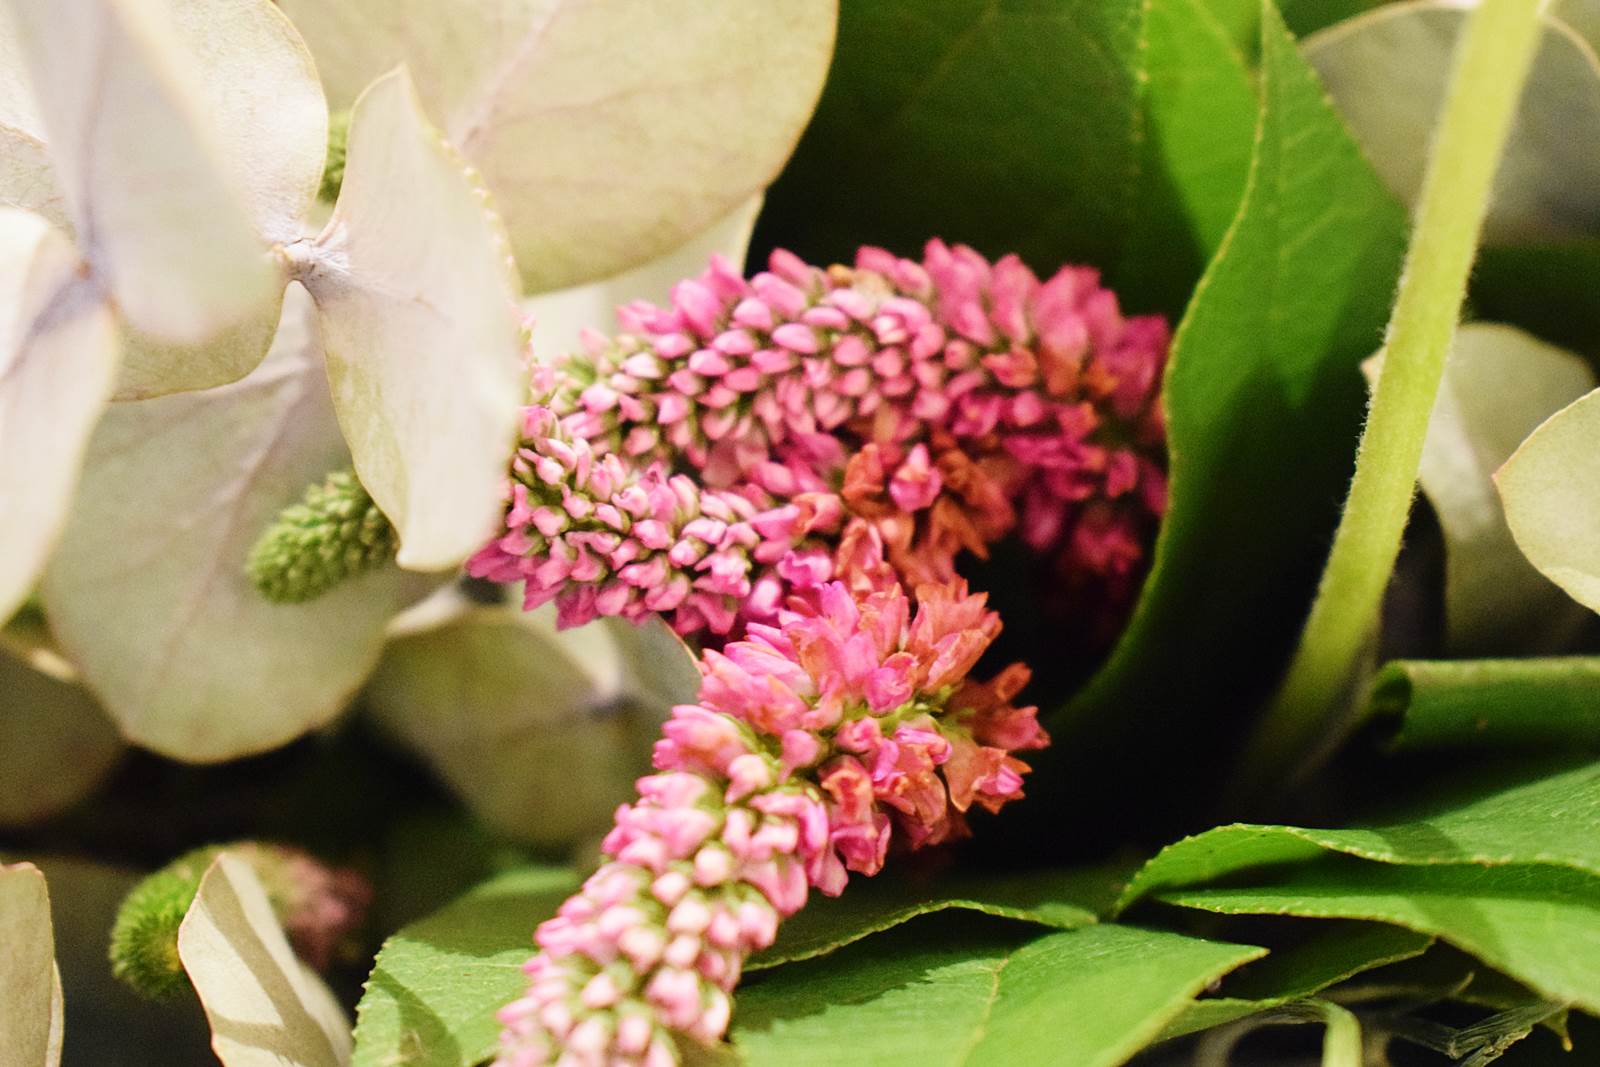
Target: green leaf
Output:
[(1310, 710), (532, 727), (1386, 71), (30, 988), (147, 591), (138, 159), (1499, 384), (1096, 131), (1329, 956), (1064, 899), (609, 132), (1539, 924), (417, 315), (431, 998), (56, 745), (1551, 490), (1493, 704), (1263, 399), (1553, 820), (266, 1007), (58, 355), (930, 996)]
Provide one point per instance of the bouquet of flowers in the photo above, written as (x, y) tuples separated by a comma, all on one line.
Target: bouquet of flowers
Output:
[(626, 533)]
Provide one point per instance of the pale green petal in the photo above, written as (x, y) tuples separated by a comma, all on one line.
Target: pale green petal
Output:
[(416, 298), (148, 592), (1551, 490), (561, 315), (1386, 71), (58, 352), (540, 732), (1499, 384), (30, 990), (56, 745), (140, 165), (609, 131), (266, 1008)]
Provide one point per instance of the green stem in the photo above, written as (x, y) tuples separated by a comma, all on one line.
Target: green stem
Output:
[(1490, 66)]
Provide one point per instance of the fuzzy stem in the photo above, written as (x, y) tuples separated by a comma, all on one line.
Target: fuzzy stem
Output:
[(1490, 67)]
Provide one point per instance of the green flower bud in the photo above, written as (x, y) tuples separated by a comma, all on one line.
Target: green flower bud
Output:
[(319, 907), (334, 532)]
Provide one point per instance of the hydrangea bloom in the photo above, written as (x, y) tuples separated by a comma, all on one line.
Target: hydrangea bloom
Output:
[(814, 743), (950, 401)]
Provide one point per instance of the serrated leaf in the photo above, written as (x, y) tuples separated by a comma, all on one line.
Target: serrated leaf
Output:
[(561, 315), (431, 999), (1499, 383), (530, 726), (58, 354), (1551, 820), (147, 591), (1493, 705), (30, 988), (1110, 132), (1063, 899), (1090, 997), (1386, 70), (138, 161), (56, 744), (1539, 924), (266, 1008), (1327, 958), (1263, 399), (1549, 487), (608, 132), (415, 299)]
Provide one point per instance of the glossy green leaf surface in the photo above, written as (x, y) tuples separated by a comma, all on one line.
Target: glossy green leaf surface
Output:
[(1064, 899), (1329, 956), (1539, 924), (431, 998), (1263, 401), (1552, 820), (930, 996), (1096, 131)]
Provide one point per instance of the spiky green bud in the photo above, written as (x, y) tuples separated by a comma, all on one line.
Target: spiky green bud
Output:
[(335, 531), (333, 169), (144, 938), (319, 907)]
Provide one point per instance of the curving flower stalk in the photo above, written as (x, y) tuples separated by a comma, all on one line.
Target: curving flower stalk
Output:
[(814, 744), (950, 402)]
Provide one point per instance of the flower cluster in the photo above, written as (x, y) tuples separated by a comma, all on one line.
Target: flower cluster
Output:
[(815, 742), (951, 402), (788, 469)]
